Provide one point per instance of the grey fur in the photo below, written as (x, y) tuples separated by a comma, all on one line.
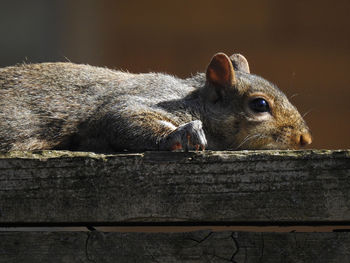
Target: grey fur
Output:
[(81, 107)]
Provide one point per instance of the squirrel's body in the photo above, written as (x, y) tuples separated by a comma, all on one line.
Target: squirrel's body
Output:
[(81, 107)]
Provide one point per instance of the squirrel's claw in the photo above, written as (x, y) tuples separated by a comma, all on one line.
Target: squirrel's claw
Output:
[(195, 135), (187, 136)]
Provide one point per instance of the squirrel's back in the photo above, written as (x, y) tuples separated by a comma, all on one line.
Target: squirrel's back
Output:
[(42, 105)]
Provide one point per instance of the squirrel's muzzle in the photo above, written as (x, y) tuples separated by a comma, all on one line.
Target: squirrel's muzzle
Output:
[(303, 139)]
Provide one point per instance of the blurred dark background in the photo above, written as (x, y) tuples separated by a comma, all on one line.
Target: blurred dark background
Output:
[(302, 46)]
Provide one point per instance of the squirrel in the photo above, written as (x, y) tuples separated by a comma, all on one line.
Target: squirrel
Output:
[(66, 106)]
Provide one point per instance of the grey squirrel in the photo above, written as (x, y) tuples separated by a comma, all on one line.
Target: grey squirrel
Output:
[(81, 107)]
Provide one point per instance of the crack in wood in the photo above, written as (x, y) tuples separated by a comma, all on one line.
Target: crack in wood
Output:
[(262, 247), (203, 239), (89, 236), (235, 241)]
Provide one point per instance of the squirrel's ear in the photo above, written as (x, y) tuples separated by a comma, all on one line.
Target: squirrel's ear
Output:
[(220, 71), (240, 63)]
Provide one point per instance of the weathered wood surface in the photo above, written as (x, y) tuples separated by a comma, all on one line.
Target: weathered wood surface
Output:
[(196, 188), (202, 246)]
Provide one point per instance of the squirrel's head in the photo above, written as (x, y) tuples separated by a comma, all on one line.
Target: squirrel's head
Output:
[(250, 112)]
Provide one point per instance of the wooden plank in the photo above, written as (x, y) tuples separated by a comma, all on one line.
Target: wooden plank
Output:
[(296, 187), (201, 246)]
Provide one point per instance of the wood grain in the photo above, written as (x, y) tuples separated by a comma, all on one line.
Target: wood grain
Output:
[(297, 187)]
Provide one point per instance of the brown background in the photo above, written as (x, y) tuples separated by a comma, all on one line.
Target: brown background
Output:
[(302, 46)]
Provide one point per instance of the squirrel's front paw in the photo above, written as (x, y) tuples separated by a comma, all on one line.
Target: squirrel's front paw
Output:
[(186, 136)]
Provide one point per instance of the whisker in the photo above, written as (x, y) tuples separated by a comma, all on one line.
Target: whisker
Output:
[(233, 148), (242, 142), (306, 113), (67, 59), (246, 139), (294, 95)]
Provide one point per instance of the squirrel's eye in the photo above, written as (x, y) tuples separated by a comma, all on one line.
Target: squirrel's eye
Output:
[(259, 105)]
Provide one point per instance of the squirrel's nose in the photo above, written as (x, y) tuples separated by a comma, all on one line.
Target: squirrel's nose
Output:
[(303, 139)]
